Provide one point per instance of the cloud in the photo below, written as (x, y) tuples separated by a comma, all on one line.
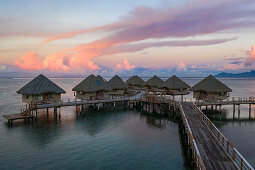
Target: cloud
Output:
[(235, 62), (141, 46), (3, 66), (233, 66), (181, 66), (29, 61), (82, 61), (125, 65), (198, 17), (251, 59), (57, 62)]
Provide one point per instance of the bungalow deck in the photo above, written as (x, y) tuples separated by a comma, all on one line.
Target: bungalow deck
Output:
[(13, 117)]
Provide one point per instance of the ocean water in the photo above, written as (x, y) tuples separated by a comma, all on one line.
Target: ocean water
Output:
[(109, 140)]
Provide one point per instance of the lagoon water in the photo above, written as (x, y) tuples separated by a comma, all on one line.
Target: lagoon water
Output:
[(109, 140)]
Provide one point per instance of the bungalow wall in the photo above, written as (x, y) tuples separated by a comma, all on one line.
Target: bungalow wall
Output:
[(134, 87), (177, 92), (92, 95), (208, 96), (38, 98), (117, 92)]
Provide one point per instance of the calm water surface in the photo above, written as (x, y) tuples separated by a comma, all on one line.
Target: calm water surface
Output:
[(109, 140)]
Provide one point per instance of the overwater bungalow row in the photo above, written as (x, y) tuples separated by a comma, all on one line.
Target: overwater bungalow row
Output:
[(41, 89)]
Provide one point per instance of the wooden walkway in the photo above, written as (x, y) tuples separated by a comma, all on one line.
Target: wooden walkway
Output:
[(13, 117), (27, 111), (238, 101), (211, 149)]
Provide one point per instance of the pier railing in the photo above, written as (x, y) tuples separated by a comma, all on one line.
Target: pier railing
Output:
[(239, 100), (191, 141), (237, 158)]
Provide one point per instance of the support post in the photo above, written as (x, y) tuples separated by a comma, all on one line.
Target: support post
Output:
[(47, 111), (249, 111), (234, 110), (59, 114), (239, 111), (36, 114), (55, 111)]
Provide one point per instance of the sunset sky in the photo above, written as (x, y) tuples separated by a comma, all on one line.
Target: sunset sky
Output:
[(144, 37)]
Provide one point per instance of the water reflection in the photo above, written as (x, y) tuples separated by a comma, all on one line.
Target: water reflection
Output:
[(156, 122)]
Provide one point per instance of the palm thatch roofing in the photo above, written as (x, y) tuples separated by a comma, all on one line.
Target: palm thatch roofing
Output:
[(40, 85), (117, 83), (101, 78), (212, 85), (155, 81), (175, 83), (135, 81), (92, 84)]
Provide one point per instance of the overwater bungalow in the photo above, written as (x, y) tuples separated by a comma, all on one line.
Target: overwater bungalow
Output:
[(154, 84), (92, 88), (119, 87), (39, 90), (210, 89), (175, 86), (135, 82)]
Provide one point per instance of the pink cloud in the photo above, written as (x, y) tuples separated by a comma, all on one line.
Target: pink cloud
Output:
[(57, 62), (181, 66), (29, 61), (125, 65), (82, 60), (233, 67), (251, 59), (119, 66)]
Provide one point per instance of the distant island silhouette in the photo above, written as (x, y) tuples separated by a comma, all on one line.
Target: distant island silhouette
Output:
[(237, 75)]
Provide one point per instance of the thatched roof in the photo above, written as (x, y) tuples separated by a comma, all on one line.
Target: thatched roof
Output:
[(101, 78), (155, 81), (117, 83), (211, 84), (92, 84), (135, 81), (40, 85), (175, 83)]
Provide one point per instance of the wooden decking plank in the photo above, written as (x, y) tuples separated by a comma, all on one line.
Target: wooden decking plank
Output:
[(213, 155)]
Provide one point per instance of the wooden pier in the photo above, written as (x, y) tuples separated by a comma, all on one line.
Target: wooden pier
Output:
[(13, 117), (210, 148)]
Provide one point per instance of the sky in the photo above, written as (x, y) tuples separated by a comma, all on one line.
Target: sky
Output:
[(145, 37)]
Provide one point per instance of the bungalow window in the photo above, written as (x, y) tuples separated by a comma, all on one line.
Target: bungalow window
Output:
[(222, 94), (40, 98), (81, 93)]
